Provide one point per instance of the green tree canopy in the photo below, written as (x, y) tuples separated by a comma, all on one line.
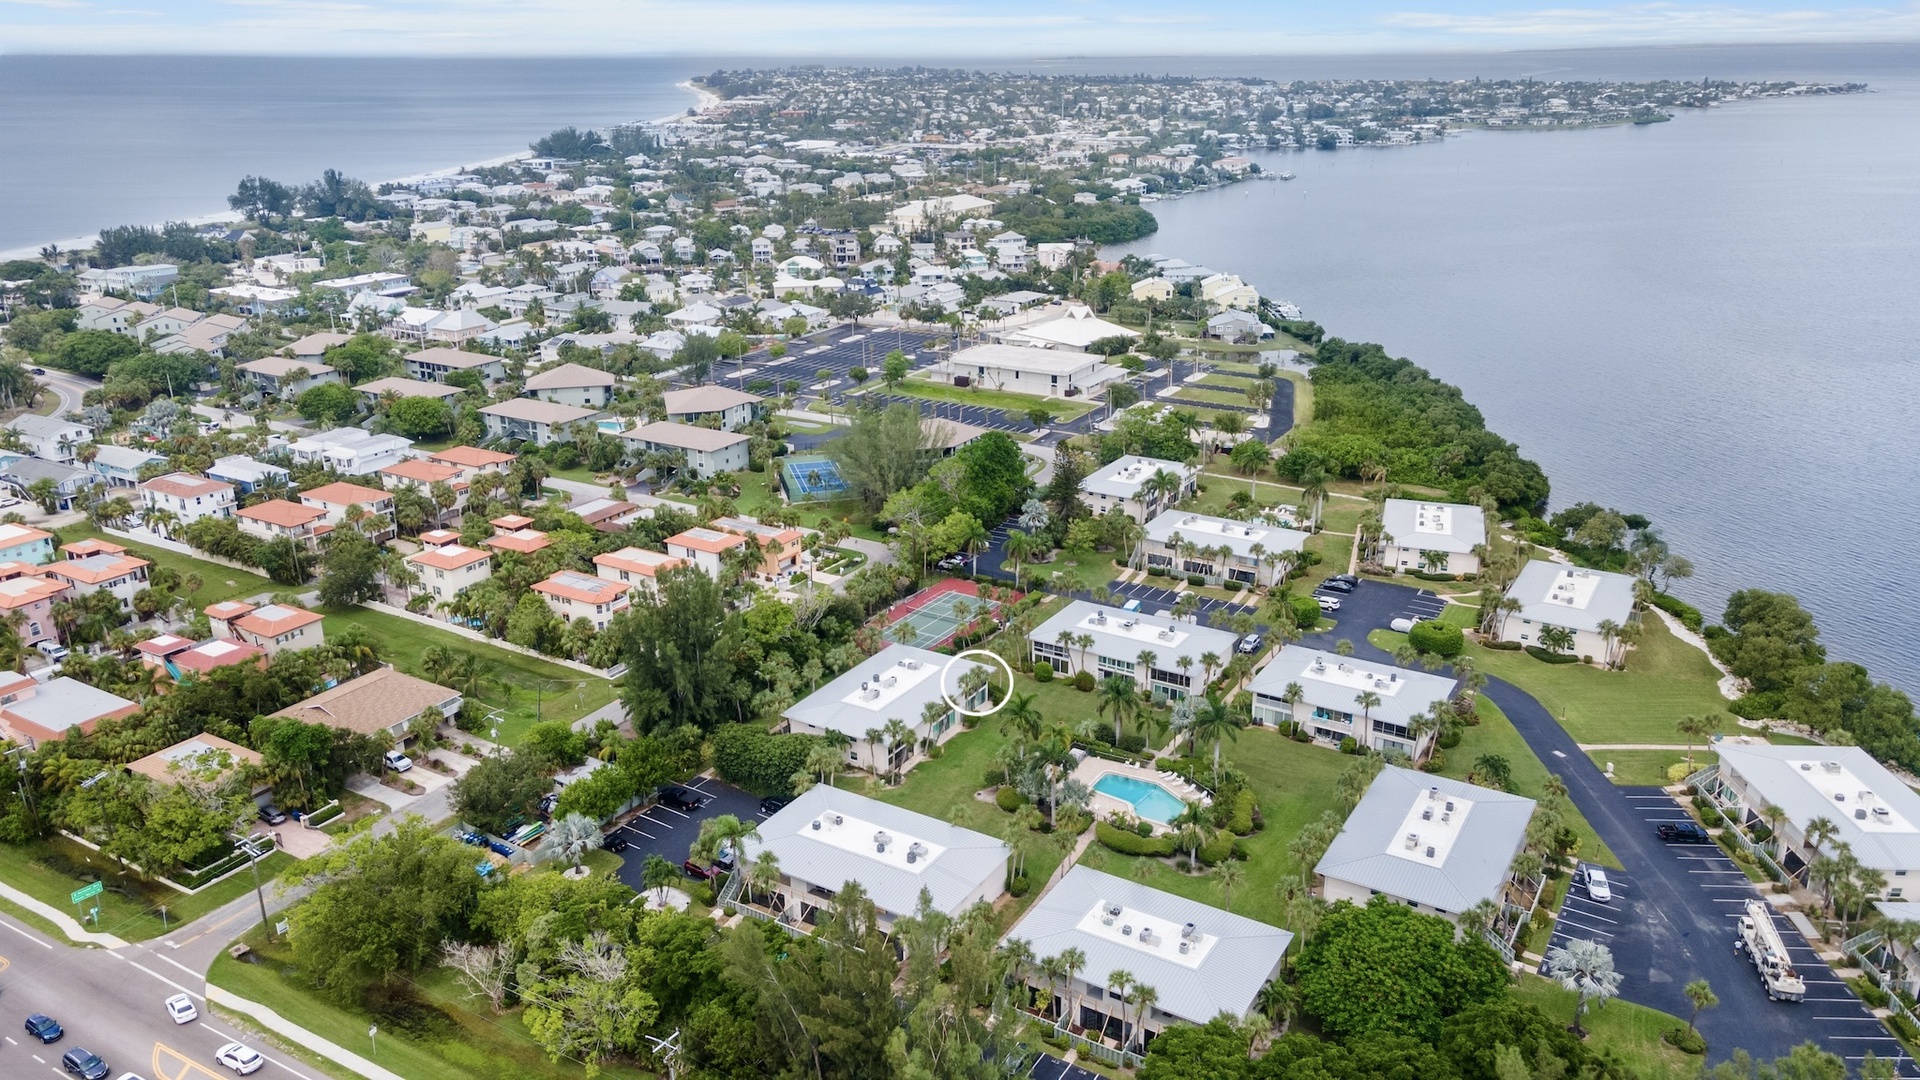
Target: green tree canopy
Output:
[(1387, 969)]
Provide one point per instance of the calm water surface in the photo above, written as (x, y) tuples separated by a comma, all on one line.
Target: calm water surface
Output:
[(1712, 322)]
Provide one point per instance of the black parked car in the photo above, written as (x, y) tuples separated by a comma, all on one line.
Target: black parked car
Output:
[(44, 1028), (84, 1064), (614, 842), (1682, 832), (773, 804), (682, 798), (1335, 584)]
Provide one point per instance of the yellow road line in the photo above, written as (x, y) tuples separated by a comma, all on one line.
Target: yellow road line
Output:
[(171, 1064)]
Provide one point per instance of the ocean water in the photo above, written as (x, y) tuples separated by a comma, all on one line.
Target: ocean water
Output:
[(93, 141), (1710, 321)]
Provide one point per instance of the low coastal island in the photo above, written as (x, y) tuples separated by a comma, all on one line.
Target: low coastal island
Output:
[(764, 565)]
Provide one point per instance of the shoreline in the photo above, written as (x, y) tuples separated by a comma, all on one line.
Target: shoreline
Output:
[(703, 100)]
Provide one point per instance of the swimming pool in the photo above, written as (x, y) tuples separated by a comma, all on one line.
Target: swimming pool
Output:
[(1149, 800)]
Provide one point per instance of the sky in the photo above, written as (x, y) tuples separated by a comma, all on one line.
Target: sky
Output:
[(922, 28)]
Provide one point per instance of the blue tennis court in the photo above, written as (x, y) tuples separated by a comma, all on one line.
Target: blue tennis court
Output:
[(812, 478)]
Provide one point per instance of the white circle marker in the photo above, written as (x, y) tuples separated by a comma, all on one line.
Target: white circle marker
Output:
[(996, 658)]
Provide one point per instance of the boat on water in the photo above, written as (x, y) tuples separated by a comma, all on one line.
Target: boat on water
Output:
[(1284, 175)]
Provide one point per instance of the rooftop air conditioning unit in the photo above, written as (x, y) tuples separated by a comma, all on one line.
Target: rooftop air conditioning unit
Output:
[(816, 824), (1099, 618), (1429, 851), (838, 820), (916, 848), (1146, 935), (1806, 766), (910, 665), (1113, 909), (1860, 814), (1830, 766), (1433, 793), (1167, 634), (1882, 812), (1183, 948), (1130, 624), (1393, 677), (891, 680), (1189, 932), (1449, 806), (1126, 930), (1427, 814), (1446, 817), (1413, 841)]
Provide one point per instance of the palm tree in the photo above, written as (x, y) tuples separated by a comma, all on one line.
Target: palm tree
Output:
[(1020, 717), (898, 735), (1054, 970), (1293, 695), (875, 736), (573, 836), (1072, 963), (1586, 968), (1478, 919), (1773, 816), (824, 760), (1214, 720), (1192, 827), (1228, 876), (764, 876), (1556, 639), (1696, 728), (1020, 547), (1366, 699), (1209, 661), (1120, 696), (1145, 997), (1121, 980), (1701, 996), (722, 833), (1016, 958)]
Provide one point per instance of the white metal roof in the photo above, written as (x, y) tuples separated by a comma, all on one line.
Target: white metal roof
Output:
[(1123, 635), (1121, 478), (1205, 530), (1228, 957), (1333, 682), (1555, 594), (951, 862), (1430, 526), (1443, 843), (892, 684), (1875, 814)]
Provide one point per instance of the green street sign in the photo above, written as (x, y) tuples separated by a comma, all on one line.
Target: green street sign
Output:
[(85, 891)]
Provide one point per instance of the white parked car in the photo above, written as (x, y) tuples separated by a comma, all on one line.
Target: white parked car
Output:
[(180, 1008), (1597, 888), (1402, 625), (398, 761), (240, 1057), (1328, 603)]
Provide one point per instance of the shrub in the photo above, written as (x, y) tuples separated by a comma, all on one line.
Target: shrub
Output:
[(1869, 993), (1144, 828), (1240, 813), (1218, 850), (1008, 799), (1503, 646), (1688, 615), (1686, 1040), (1306, 612), (1348, 746), (1196, 580), (1436, 762), (1130, 843), (994, 778), (1042, 671), (1677, 772), (1156, 571), (1546, 657), (1449, 739), (1438, 638), (1133, 743), (763, 763), (1301, 734), (1019, 886), (1083, 681)]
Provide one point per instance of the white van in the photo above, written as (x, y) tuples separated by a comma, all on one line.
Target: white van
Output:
[(1402, 625)]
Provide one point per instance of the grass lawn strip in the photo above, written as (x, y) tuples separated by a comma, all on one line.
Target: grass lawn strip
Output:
[(1495, 734), (1632, 1031), (555, 692), (1210, 397), (218, 583), (129, 908), (1062, 408)]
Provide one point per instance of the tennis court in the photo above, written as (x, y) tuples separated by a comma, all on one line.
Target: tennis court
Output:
[(932, 617), (812, 478)]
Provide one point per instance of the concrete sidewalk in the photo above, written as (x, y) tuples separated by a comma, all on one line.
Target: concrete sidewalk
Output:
[(67, 924), (293, 1032)]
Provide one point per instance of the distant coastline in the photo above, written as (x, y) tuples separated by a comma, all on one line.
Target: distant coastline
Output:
[(703, 99)]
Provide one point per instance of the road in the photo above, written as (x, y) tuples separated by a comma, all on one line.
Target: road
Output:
[(1672, 916), (111, 1002), (68, 388)]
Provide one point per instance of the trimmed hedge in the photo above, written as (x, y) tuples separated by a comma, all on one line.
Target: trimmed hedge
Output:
[(1083, 681), (1503, 646), (1042, 671), (1430, 636), (1008, 799), (1306, 612), (1219, 849), (1240, 817), (1546, 657), (1114, 838), (1688, 615)]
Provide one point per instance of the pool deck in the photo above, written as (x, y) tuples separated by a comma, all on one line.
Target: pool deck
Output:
[(1093, 768)]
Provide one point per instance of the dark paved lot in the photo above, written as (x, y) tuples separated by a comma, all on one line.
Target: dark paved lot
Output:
[(1052, 1068), (1155, 599), (668, 833), (1673, 914)]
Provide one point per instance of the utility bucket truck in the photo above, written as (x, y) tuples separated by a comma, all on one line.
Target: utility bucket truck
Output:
[(1769, 954)]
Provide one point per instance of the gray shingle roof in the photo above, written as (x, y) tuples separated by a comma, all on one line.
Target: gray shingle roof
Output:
[(1237, 955), (1370, 851), (964, 861)]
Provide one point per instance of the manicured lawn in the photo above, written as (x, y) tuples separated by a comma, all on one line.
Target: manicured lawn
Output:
[(535, 689), (1647, 768), (218, 582), (1062, 408), (1665, 679), (50, 870), (1232, 383), (452, 1038), (1629, 1030), (1495, 734), (1302, 397), (1294, 783), (1204, 396)]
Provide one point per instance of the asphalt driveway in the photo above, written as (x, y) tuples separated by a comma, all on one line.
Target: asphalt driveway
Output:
[(669, 833), (1674, 909)]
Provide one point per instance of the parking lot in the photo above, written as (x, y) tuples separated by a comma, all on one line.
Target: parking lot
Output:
[(661, 830), (1154, 599)]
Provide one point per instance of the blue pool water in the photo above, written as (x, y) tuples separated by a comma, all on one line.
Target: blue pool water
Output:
[(1150, 800)]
